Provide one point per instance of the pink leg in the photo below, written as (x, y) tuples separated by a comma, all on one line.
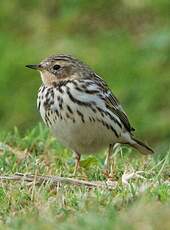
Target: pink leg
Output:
[(77, 163), (107, 160)]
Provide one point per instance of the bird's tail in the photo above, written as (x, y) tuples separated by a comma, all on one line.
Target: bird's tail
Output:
[(141, 147)]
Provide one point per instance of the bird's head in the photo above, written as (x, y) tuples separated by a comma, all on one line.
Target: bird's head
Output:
[(61, 67)]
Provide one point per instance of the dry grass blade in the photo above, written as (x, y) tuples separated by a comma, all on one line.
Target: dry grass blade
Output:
[(54, 180)]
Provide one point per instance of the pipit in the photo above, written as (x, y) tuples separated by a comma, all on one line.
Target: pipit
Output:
[(80, 109)]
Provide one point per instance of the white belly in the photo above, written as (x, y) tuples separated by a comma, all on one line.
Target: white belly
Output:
[(88, 137)]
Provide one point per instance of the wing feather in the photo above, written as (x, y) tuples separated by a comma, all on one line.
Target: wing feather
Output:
[(112, 103)]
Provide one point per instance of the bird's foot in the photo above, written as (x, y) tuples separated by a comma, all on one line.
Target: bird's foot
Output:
[(106, 173)]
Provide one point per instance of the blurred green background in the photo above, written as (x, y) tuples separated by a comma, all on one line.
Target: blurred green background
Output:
[(127, 42)]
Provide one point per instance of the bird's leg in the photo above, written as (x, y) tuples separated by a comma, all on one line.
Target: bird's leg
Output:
[(77, 163), (108, 157), (107, 169)]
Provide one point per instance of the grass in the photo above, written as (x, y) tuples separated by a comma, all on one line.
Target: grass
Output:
[(144, 204)]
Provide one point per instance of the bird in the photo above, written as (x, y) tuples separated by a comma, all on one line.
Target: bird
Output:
[(81, 110)]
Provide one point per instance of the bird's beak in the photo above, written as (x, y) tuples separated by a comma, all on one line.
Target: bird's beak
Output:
[(36, 67)]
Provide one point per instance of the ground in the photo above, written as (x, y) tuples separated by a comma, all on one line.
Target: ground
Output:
[(144, 203)]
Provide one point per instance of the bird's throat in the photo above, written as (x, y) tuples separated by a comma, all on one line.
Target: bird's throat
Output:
[(47, 78)]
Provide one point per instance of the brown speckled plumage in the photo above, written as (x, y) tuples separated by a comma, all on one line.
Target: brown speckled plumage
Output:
[(80, 109)]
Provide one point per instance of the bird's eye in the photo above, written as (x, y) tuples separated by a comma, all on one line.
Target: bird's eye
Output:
[(56, 67)]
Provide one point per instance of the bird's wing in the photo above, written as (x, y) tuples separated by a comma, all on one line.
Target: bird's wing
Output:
[(112, 103)]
